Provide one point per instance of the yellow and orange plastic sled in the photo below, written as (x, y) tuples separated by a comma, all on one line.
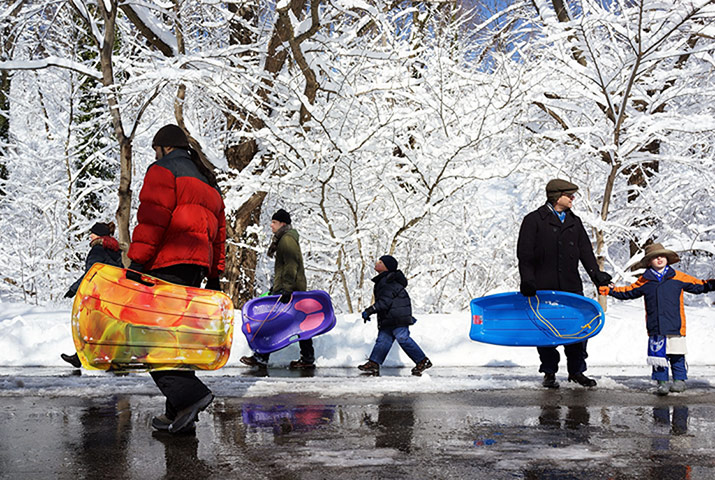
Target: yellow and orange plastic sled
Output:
[(121, 324)]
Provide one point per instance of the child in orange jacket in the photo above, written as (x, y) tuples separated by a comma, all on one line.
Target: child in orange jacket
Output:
[(662, 288)]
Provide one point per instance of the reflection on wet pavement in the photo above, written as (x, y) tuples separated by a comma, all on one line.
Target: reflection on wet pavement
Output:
[(283, 420), (497, 434)]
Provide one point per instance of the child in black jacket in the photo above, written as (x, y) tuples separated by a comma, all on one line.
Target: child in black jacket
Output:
[(104, 249), (394, 316)]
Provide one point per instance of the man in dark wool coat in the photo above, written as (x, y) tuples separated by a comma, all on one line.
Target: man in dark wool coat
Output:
[(552, 241)]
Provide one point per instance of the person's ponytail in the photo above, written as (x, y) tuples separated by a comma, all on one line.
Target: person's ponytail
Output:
[(205, 171)]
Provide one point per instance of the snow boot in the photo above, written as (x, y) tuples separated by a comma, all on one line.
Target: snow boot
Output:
[(301, 364), (161, 423), (72, 360), (582, 380), (678, 386), (550, 381), (187, 416), (370, 367), (663, 388), (421, 367), (252, 361)]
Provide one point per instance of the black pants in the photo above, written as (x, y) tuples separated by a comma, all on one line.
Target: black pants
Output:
[(307, 353), (180, 387), (575, 358)]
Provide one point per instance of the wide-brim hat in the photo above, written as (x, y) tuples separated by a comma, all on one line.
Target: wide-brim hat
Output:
[(657, 250)]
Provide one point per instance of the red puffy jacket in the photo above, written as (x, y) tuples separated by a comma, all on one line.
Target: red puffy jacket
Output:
[(181, 218)]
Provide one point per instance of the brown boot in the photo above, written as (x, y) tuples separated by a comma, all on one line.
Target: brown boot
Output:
[(421, 367), (370, 367)]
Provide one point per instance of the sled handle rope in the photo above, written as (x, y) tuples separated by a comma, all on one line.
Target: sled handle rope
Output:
[(268, 316), (555, 332)]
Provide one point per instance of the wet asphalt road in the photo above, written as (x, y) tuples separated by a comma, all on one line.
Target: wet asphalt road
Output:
[(571, 433)]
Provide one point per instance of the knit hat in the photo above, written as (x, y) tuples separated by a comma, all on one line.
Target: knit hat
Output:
[(389, 262), (657, 250), (170, 136), (102, 229), (557, 187), (282, 216)]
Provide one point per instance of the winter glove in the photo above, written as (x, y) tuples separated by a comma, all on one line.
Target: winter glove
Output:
[(285, 297), (213, 284), (527, 289), (133, 275), (70, 293), (366, 314), (604, 291), (603, 279), (710, 285)]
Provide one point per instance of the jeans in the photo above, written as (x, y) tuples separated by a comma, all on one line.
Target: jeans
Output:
[(385, 337), (677, 364)]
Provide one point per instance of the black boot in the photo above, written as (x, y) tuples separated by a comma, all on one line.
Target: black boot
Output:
[(185, 418), (72, 360), (550, 381), (161, 423), (582, 380)]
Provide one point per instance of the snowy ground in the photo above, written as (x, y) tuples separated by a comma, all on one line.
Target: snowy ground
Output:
[(35, 336)]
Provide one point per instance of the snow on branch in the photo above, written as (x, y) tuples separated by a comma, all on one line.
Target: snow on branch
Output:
[(51, 62), (157, 34)]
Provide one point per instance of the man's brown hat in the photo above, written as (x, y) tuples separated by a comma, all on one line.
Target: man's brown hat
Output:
[(557, 187)]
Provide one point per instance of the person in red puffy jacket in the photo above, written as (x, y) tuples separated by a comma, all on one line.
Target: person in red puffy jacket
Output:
[(180, 237)]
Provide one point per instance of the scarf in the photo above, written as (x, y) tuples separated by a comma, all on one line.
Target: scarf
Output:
[(661, 275), (560, 215), (277, 238), (656, 351)]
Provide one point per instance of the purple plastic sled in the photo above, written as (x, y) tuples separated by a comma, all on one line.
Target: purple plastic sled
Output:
[(286, 419), (270, 325)]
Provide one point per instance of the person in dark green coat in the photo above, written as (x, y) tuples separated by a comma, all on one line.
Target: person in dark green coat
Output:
[(289, 277)]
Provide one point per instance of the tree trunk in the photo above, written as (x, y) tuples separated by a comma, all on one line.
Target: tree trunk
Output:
[(4, 125), (124, 208), (7, 37), (125, 142), (242, 248)]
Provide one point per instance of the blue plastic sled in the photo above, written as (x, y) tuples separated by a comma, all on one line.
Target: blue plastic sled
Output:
[(270, 325), (550, 318)]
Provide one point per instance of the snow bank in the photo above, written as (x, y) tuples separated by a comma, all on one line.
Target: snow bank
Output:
[(35, 336)]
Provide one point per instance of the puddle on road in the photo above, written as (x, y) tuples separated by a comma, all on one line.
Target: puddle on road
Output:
[(424, 436), (551, 441)]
